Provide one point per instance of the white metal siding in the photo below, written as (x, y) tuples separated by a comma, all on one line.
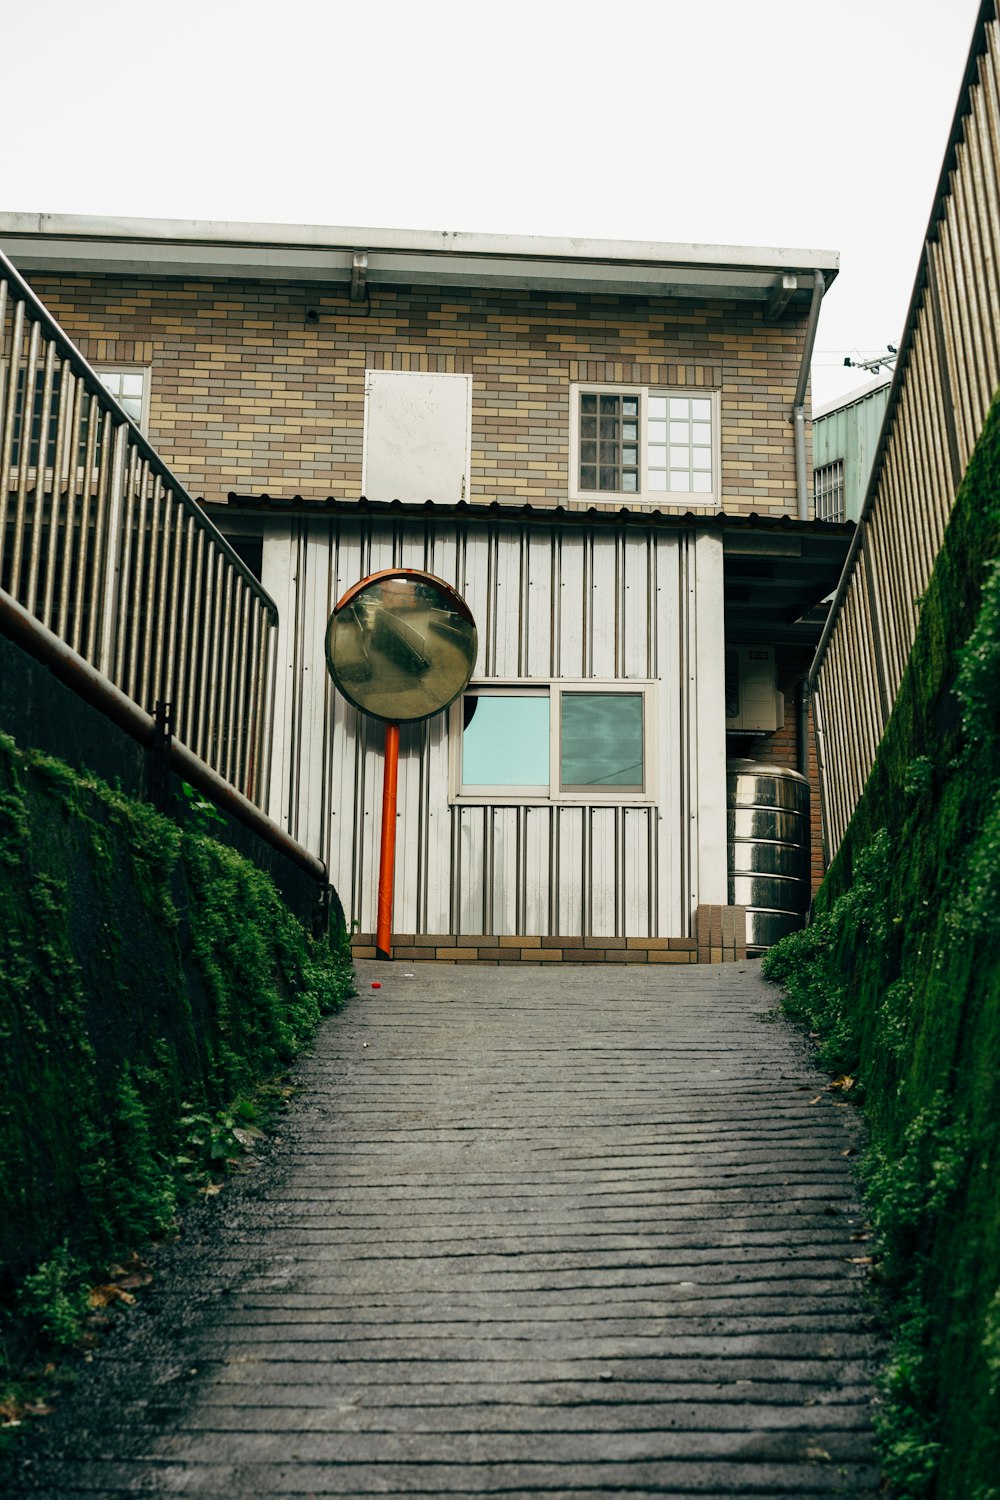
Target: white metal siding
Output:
[(549, 602)]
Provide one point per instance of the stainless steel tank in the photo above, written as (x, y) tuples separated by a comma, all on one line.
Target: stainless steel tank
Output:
[(769, 851)]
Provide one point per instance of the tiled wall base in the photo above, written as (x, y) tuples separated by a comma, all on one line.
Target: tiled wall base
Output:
[(720, 937)]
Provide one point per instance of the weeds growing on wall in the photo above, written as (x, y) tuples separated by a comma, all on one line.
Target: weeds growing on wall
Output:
[(899, 976), (150, 981)]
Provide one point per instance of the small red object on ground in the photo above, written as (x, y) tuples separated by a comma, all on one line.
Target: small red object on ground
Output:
[(376, 984)]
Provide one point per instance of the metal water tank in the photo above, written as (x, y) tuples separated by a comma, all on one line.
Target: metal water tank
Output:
[(769, 851)]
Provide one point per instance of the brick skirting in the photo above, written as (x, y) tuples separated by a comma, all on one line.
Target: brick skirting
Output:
[(720, 937)]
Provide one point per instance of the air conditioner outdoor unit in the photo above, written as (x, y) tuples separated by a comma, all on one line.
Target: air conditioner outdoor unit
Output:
[(753, 703)]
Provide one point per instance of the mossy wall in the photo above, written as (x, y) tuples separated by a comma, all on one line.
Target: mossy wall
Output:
[(899, 972), (147, 975)]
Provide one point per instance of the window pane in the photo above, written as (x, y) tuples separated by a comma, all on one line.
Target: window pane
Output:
[(630, 482), (678, 456), (657, 432), (658, 407), (588, 427), (657, 479), (630, 406), (588, 403), (601, 740), (702, 483), (680, 480), (506, 743), (701, 432), (679, 432), (679, 406), (701, 411), (701, 458)]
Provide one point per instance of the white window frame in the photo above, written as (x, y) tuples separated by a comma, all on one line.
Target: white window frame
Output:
[(552, 689), (643, 496)]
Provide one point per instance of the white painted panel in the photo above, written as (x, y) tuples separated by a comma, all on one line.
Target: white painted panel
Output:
[(278, 578), (602, 871), (436, 901), (671, 921), (635, 606), (538, 645), (409, 825), (570, 871), (507, 602), (537, 869), (442, 554), (315, 686), (603, 605), (637, 895), (710, 721), (368, 815), (471, 871), (474, 589), (381, 549), (504, 826), (571, 606), (416, 441)]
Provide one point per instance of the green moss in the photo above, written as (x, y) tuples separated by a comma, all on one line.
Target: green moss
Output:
[(147, 976), (898, 976)]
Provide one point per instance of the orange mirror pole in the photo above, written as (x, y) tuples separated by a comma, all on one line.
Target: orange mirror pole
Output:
[(387, 853)]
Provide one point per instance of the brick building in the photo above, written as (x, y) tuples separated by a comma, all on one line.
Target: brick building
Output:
[(595, 443)]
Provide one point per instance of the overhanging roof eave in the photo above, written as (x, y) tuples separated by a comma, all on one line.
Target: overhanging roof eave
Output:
[(157, 247)]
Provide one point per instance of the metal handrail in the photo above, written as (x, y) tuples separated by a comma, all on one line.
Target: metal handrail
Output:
[(104, 546)]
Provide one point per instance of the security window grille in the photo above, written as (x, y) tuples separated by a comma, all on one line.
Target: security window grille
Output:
[(652, 444), (828, 491)]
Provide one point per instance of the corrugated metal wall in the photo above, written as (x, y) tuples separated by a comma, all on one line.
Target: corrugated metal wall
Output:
[(550, 602), (947, 375), (851, 433)]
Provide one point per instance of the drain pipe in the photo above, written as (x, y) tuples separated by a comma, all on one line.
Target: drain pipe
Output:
[(798, 406), (802, 728)]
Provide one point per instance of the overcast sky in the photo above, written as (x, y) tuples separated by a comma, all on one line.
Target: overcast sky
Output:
[(753, 122)]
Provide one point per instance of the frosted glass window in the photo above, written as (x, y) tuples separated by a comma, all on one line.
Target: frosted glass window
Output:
[(506, 741), (601, 740)]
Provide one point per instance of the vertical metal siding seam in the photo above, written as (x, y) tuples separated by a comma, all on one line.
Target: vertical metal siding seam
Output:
[(954, 323), (554, 884), (982, 214), (961, 235), (990, 144), (684, 625)]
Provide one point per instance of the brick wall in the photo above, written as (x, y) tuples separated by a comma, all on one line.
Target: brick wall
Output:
[(249, 394)]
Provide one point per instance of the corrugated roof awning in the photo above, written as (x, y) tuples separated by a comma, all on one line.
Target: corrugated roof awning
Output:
[(777, 570)]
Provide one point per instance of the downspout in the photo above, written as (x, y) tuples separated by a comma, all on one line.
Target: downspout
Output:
[(802, 728), (798, 406)]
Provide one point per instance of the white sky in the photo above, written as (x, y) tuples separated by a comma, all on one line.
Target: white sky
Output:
[(755, 122)]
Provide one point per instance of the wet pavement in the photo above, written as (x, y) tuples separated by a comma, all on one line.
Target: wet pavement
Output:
[(527, 1231)]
